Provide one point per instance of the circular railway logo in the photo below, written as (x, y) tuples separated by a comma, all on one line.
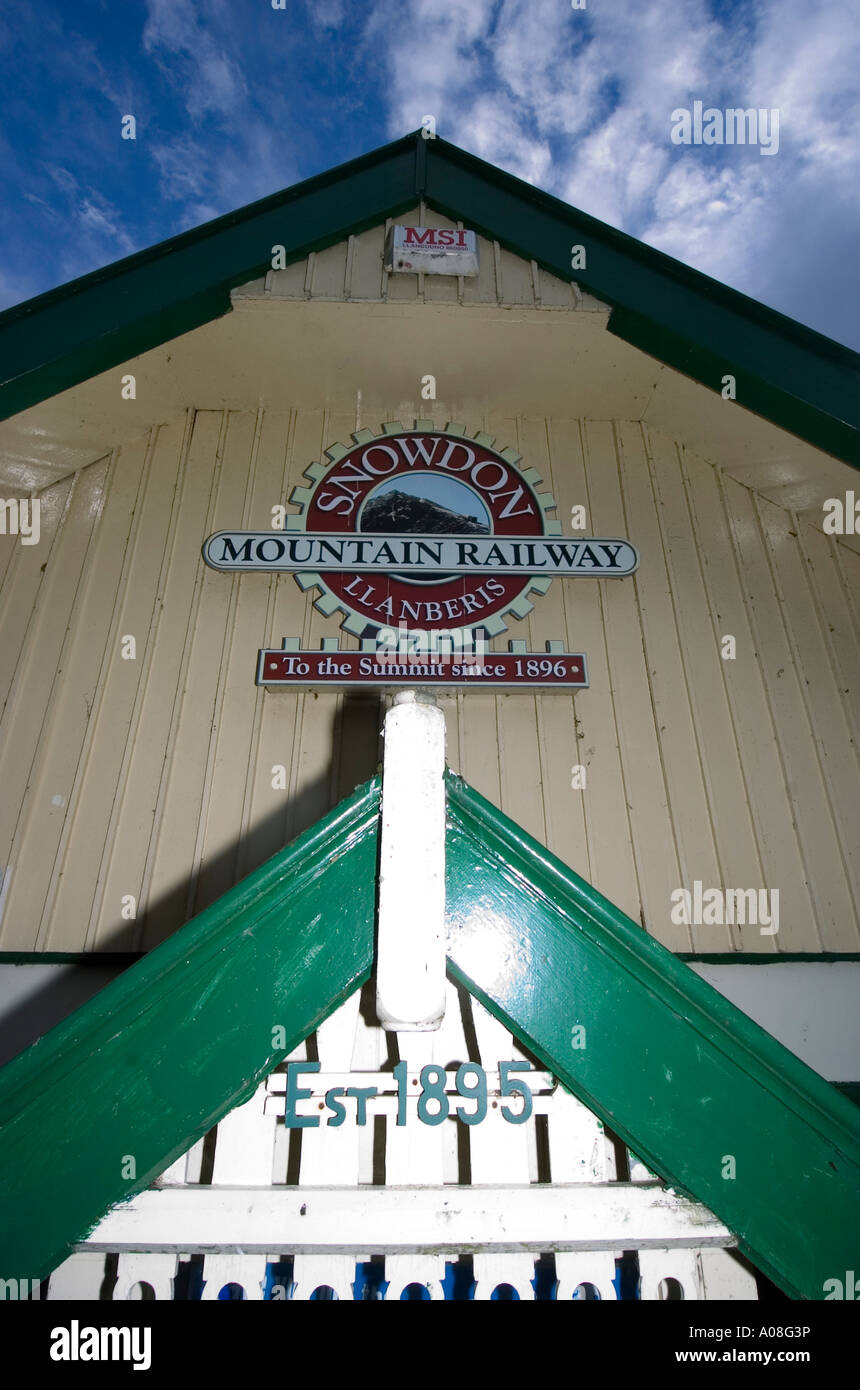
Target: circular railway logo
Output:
[(425, 482)]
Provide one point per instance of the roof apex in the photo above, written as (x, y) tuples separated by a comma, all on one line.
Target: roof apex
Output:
[(799, 379)]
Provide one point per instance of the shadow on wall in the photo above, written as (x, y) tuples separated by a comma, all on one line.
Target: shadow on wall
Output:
[(35, 997)]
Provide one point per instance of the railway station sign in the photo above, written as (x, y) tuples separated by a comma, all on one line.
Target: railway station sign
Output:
[(417, 555), (429, 530), (552, 671)]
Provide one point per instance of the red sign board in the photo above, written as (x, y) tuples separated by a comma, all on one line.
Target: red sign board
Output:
[(553, 671), (401, 482)]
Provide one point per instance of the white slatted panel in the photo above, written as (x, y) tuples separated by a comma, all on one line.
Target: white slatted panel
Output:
[(351, 1046)]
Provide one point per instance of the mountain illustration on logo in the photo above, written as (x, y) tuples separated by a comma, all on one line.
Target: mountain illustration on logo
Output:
[(398, 511)]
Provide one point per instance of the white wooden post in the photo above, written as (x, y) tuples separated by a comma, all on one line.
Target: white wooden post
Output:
[(410, 967)]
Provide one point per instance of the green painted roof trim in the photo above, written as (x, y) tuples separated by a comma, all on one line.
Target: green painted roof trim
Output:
[(156, 1058), (669, 1064), (801, 380)]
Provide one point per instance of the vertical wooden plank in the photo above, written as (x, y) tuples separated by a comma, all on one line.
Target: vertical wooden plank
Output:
[(578, 1147), (482, 288), (838, 630), (25, 578), (149, 473), (479, 743), (329, 272), (848, 563), (262, 813), (831, 732), (677, 747), (688, 553), (415, 1152), (752, 719), (330, 1154), (9, 546), (516, 714), (644, 777), (232, 746), (66, 740), (317, 765), (366, 264), (500, 1154), (556, 714), (607, 846), (23, 725), (95, 650), (244, 1143), (819, 846), (163, 664), (289, 442), (290, 282), (555, 293), (358, 735), (172, 866), (244, 1146), (517, 284)]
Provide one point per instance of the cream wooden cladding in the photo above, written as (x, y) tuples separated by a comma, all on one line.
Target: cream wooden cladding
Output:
[(152, 779)]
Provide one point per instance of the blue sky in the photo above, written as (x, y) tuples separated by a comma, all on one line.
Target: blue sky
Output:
[(234, 99)]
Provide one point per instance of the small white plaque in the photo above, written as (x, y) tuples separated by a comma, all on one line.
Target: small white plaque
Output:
[(433, 250)]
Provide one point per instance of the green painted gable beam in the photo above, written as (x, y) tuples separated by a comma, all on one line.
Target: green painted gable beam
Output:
[(671, 1066), (801, 380), (153, 1061)]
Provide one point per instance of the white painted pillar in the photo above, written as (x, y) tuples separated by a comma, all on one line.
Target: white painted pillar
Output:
[(410, 965)]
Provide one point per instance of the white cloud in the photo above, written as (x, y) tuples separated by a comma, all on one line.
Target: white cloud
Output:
[(580, 102), (209, 78)]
